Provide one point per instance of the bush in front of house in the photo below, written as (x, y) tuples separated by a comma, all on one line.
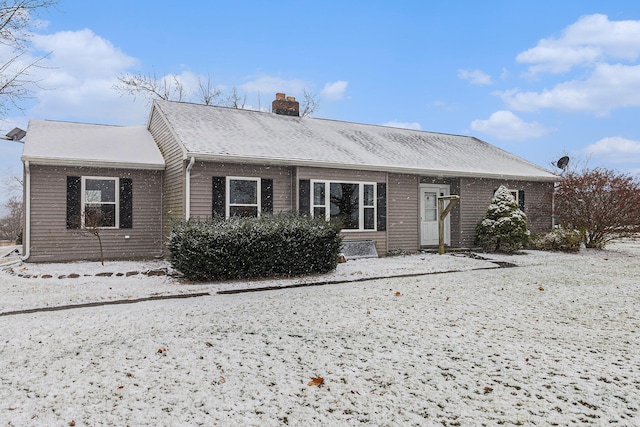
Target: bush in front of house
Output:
[(560, 239), (504, 226), (236, 248)]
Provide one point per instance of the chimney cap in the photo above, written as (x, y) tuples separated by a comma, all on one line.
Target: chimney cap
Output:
[(280, 95)]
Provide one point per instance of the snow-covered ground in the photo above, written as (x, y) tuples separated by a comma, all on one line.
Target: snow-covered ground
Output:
[(555, 340)]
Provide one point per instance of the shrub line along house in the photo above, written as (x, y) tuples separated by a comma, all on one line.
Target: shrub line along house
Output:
[(195, 161)]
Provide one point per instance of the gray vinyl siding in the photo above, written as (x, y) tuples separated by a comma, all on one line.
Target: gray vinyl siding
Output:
[(538, 205), (174, 170), (201, 191), (476, 195), (341, 174), (403, 226), (51, 241)]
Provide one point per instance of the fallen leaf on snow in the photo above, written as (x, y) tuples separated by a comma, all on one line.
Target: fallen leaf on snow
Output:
[(316, 381), (487, 390), (72, 423), (398, 294), (540, 288)]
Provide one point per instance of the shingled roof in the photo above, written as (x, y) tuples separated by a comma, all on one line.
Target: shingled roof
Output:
[(80, 144), (228, 134)]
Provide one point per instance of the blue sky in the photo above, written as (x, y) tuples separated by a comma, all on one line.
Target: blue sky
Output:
[(537, 78)]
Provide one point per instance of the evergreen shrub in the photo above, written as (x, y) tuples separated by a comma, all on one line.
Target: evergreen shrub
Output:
[(504, 226), (236, 248)]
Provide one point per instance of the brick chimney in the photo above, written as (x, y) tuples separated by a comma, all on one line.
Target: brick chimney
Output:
[(285, 105)]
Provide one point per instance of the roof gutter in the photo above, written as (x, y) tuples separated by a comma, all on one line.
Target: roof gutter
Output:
[(26, 237), (376, 168), (187, 206), (92, 163)]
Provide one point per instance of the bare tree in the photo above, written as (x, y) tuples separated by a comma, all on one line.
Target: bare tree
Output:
[(207, 93), (11, 223), (16, 83), (310, 104), (150, 87), (235, 100), (94, 219), (12, 183)]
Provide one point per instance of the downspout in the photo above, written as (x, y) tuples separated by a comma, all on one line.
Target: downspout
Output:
[(553, 206), (187, 207), (26, 237)]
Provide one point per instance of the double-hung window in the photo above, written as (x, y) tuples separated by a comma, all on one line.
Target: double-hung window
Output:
[(244, 197), (241, 196), (100, 202), (353, 204)]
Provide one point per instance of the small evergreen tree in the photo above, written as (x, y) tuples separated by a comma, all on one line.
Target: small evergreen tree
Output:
[(504, 226)]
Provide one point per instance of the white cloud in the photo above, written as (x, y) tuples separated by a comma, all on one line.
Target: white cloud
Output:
[(593, 38), (83, 53), (77, 79), (608, 88), (505, 125), (475, 77), (403, 125), (335, 90), (615, 149)]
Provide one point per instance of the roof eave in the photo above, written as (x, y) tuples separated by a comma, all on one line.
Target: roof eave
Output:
[(378, 168), (91, 163)]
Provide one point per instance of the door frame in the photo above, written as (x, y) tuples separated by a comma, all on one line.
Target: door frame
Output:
[(440, 190)]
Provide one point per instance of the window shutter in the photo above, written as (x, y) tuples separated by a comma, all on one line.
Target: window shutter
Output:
[(382, 206), (521, 200), (126, 203), (304, 197), (74, 208), (266, 192), (219, 192)]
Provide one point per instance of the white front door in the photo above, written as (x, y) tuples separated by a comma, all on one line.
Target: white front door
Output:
[(429, 214)]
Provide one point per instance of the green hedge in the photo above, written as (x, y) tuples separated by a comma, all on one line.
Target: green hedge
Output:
[(235, 248)]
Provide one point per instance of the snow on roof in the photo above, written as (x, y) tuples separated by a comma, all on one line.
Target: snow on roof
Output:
[(80, 144), (227, 134)]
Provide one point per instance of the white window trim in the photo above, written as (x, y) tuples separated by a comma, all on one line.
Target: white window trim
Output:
[(361, 207), (228, 203), (83, 205)]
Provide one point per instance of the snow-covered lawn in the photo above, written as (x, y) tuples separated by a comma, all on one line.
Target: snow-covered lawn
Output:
[(555, 340)]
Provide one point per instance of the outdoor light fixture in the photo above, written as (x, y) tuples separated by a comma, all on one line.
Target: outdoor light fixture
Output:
[(16, 134)]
